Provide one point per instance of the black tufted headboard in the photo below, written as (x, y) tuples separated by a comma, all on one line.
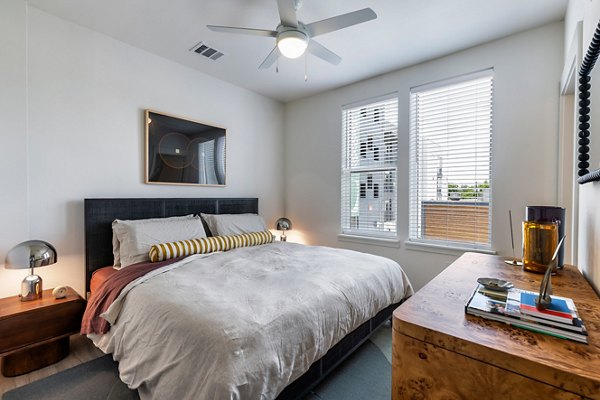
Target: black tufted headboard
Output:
[(100, 213)]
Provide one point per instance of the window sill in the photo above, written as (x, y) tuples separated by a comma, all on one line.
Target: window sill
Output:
[(441, 249), (377, 241)]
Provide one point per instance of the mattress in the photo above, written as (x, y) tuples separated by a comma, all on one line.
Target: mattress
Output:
[(243, 324), (100, 276)]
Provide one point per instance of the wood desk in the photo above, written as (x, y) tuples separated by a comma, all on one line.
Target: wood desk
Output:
[(440, 352)]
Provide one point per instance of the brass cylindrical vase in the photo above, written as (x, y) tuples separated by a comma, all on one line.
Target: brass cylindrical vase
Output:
[(539, 242), (550, 214)]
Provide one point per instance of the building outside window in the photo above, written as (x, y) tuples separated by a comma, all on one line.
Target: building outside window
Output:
[(369, 168), (450, 162)]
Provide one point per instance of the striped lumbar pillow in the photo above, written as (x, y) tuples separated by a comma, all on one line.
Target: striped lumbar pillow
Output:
[(165, 251)]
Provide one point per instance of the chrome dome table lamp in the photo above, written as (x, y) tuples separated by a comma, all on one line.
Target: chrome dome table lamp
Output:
[(31, 254), (283, 224)]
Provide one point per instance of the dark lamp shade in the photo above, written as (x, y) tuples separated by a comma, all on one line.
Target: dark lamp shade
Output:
[(283, 224), (31, 254)]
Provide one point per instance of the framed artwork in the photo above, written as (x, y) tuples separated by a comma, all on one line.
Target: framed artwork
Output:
[(183, 152)]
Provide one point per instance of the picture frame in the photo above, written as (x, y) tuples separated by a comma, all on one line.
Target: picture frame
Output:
[(183, 151)]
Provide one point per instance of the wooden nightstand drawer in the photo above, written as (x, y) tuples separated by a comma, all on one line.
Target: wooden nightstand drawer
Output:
[(39, 325), (36, 333)]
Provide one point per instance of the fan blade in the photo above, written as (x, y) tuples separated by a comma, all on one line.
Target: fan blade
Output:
[(323, 52), (271, 58), (287, 13), (340, 22), (242, 31)]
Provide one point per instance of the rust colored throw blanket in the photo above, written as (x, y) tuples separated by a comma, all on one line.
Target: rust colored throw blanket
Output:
[(107, 293)]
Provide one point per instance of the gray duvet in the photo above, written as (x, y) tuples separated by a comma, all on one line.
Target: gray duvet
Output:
[(243, 324)]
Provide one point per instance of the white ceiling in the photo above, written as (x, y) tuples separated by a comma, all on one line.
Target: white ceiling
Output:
[(405, 33)]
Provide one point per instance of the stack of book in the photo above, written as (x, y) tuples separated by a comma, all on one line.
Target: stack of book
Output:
[(518, 308)]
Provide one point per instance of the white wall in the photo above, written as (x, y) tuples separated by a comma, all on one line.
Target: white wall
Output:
[(527, 72), (13, 133), (589, 232), (589, 193), (86, 97)]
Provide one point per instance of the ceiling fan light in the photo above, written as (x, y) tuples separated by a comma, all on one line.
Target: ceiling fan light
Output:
[(292, 44)]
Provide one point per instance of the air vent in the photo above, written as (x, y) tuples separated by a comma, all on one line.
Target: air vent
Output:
[(207, 51)]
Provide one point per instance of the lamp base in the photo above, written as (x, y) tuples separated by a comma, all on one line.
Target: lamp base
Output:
[(31, 288)]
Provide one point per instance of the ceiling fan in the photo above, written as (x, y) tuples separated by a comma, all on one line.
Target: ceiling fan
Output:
[(293, 37)]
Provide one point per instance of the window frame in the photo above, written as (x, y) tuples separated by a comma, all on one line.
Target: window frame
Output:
[(416, 226), (381, 189)]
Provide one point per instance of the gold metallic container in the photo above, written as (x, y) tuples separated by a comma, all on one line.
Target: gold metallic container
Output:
[(539, 242)]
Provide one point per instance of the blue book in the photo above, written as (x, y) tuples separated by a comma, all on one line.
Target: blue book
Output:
[(558, 310)]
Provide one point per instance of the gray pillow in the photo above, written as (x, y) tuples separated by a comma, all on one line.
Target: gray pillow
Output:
[(234, 224)]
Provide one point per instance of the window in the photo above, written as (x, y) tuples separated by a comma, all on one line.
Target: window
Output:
[(369, 167), (450, 162)]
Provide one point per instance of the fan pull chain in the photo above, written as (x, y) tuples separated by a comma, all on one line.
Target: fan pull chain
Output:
[(305, 67), (277, 66)]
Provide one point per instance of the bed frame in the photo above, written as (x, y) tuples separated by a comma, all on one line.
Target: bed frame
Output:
[(100, 213)]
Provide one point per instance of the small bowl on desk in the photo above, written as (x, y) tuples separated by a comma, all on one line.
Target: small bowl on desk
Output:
[(498, 285)]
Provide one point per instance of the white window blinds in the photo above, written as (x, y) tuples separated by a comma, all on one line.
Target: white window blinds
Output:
[(450, 162), (369, 167)]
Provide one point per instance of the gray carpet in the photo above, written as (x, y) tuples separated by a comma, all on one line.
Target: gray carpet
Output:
[(94, 380), (366, 374)]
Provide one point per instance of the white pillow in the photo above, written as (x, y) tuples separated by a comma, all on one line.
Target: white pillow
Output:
[(234, 224), (132, 239)]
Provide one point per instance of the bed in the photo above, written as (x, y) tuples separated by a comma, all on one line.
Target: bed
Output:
[(313, 365)]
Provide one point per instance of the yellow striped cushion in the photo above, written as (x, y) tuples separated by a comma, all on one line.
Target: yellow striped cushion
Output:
[(165, 251)]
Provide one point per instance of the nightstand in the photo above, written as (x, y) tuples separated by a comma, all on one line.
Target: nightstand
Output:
[(35, 334)]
